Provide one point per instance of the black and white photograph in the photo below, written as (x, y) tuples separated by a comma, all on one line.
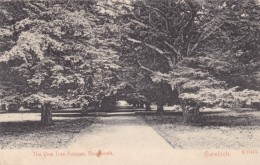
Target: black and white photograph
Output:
[(129, 82)]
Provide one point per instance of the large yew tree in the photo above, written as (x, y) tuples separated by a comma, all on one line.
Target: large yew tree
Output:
[(201, 47), (57, 50)]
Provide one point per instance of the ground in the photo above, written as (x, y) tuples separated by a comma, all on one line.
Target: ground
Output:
[(23, 130), (124, 137), (218, 129)]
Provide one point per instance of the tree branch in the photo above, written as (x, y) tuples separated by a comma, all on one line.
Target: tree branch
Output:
[(173, 48), (151, 8), (139, 23), (149, 45), (170, 61), (68, 3), (143, 67), (204, 36)]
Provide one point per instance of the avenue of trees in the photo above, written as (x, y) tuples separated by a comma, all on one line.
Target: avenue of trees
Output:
[(195, 53)]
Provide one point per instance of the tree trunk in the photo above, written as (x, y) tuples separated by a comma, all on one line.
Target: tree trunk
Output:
[(138, 105), (108, 104), (160, 99), (46, 114), (147, 106), (142, 105), (160, 108), (191, 114), (4, 107)]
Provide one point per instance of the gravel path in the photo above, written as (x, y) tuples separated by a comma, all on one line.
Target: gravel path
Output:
[(127, 139)]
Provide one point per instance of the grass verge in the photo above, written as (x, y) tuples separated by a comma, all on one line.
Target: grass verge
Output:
[(229, 130), (31, 134)]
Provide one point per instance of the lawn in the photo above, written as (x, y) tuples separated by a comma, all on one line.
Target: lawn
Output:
[(216, 130), (30, 134)]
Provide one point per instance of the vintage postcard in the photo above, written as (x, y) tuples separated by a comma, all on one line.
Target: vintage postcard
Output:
[(129, 82)]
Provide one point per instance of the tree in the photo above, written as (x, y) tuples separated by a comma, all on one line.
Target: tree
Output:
[(158, 42), (196, 45), (143, 51), (60, 50)]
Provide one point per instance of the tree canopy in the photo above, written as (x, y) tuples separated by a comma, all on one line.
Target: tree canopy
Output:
[(59, 50), (190, 52)]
